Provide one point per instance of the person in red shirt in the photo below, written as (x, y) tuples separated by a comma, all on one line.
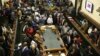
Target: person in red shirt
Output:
[(30, 31)]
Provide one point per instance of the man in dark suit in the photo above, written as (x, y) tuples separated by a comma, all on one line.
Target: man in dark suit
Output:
[(67, 40), (25, 50)]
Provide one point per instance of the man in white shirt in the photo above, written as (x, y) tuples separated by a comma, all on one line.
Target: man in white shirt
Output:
[(90, 30), (50, 20)]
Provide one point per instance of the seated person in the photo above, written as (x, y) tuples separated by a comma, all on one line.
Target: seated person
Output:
[(49, 54), (61, 54)]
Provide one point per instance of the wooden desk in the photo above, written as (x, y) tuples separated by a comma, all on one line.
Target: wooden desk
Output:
[(52, 42)]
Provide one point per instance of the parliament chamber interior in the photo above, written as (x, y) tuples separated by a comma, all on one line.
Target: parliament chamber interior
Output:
[(49, 27)]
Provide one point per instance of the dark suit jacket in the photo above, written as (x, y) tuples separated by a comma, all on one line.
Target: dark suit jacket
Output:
[(65, 39), (26, 52)]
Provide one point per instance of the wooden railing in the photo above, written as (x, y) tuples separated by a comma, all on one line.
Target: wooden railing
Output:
[(14, 37), (80, 31)]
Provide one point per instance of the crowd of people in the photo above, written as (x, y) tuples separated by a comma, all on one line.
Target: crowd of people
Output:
[(94, 35), (34, 15), (7, 15), (92, 32)]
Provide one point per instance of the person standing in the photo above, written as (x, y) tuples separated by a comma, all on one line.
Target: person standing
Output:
[(25, 50), (50, 19), (67, 40)]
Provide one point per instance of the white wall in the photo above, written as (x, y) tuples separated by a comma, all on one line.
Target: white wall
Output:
[(95, 15)]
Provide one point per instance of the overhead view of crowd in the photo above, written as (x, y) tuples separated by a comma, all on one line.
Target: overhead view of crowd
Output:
[(30, 15)]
